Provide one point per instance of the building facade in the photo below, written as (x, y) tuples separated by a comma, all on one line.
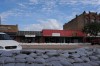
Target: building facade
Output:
[(29, 36), (44, 36), (9, 29), (80, 21), (62, 36)]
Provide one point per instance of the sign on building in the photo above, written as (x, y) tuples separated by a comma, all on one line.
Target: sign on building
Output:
[(29, 35), (98, 34), (55, 34), (8, 28)]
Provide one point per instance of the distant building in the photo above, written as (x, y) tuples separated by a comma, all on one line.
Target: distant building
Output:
[(9, 29), (62, 36), (29, 36), (80, 21)]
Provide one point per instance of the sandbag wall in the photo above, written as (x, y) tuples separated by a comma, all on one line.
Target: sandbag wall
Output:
[(78, 57)]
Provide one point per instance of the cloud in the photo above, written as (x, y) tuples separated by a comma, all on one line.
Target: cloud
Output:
[(34, 1), (44, 24), (49, 5), (67, 2), (13, 12), (22, 5), (90, 2), (5, 15), (76, 2)]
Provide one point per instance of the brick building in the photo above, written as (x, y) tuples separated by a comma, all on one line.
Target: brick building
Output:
[(9, 29), (21, 36), (79, 21)]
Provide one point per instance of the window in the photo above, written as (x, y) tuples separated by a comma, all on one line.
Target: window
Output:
[(5, 37), (92, 20)]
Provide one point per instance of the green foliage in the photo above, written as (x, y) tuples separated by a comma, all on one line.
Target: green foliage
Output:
[(92, 28)]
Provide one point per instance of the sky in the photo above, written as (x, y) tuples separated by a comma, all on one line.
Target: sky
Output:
[(35, 15)]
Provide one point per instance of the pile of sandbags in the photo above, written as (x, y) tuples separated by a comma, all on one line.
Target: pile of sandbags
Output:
[(78, 57)]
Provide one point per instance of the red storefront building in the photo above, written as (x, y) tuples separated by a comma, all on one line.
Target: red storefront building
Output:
[(62, 36)]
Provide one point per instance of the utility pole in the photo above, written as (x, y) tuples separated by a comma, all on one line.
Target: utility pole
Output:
[(0, 20)]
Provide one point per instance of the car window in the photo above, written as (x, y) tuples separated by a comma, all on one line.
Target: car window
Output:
[(5, 37)]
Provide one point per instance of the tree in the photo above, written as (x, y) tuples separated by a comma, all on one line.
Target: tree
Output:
[(92, 28)]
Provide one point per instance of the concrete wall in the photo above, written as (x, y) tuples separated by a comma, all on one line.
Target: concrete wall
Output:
[(53, 45)]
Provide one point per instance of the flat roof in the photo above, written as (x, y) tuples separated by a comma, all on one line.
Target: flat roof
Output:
[(23, 33)]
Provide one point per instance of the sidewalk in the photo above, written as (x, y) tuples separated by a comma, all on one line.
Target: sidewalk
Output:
[(58, 46)]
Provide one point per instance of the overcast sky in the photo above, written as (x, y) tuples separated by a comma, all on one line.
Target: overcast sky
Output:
[(34, 15)]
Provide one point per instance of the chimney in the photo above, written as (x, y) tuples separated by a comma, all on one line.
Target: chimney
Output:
[(89, 12), (84, 12), (76, 16)]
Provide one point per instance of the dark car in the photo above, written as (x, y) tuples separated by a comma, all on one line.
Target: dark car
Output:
[(95, 41)]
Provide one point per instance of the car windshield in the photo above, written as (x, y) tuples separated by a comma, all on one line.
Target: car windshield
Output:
[(5, 37)]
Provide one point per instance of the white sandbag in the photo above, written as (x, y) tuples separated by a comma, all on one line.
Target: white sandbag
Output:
[(9, 60), (52, 59), (40, 51), (9, 64), (38, 65), (60, 51), (19, 64), (98, 51), (93, 58), (85, 59), (21, 60), (2, 59), (56, 63), (97, 62), (34, 55), (16, 52), (30, 60), (86, 64), (78, 60), (21, 56), (1, 51), (75, 55), (78, 64), (93, 63), (98, 56), (45, 56), (7, 54), (65, 63), (52, 53), (66, 55), (71, 60), (61, 58), (81, 53), (39, 60)]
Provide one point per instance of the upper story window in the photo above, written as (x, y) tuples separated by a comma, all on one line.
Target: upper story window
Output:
[(86, 20), (92, 20)]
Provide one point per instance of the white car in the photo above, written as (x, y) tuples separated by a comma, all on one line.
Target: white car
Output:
[(6, 43)]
